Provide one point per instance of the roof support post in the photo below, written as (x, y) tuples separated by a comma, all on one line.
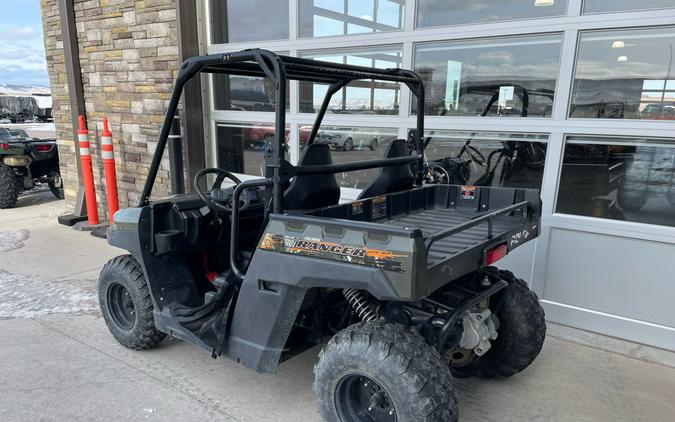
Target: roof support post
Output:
[(76, 96), (192, 111)]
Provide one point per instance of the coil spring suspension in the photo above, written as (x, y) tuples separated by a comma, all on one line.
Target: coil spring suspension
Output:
[(359, 302)]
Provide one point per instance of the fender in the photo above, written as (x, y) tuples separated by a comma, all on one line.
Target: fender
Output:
[(298, 253)]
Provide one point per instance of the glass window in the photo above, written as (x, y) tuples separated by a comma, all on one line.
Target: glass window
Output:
[(512, 77), (353, 144), (625, 75), (240, 147), (322, 18), (249, 93), (630, 180), (457, 12), (487, 158), (370, 97), (251, 20), (600, 6)]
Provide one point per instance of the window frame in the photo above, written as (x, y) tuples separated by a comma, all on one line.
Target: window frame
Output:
[(454, 25), (647, 228), (577, 50), (514, 36), (298, 13), (642, 9)]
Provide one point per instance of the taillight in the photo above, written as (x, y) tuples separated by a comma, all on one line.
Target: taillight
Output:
[(4, 145), (43, 148), (496, 253)]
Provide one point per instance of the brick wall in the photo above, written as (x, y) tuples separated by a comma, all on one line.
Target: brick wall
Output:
[(129, 57)]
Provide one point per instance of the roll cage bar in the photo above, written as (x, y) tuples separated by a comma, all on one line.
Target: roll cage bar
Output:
[(278, 69)]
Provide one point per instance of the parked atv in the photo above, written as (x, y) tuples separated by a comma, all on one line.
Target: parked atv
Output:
[(398, 284), (24, 162)]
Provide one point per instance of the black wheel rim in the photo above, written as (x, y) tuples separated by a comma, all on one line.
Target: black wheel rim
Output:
[(361, 398), (121, 306)]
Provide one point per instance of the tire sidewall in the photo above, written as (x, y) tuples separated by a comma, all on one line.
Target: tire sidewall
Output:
[(56, 191), (11, 186), (521, 333), (107, 279), (406, 367)]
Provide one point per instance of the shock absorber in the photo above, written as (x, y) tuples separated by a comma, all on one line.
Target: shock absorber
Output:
[(358, 300)]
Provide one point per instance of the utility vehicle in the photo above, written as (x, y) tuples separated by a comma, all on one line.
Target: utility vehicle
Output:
[(25, 161), (398, 282)]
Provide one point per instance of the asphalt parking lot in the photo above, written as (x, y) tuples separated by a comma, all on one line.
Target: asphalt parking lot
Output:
[(59, 363)]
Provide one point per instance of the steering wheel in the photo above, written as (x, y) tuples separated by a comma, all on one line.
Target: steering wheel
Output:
[(208, 197)]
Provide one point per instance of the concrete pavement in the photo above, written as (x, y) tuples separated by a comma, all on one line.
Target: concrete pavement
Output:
[(59, 363)]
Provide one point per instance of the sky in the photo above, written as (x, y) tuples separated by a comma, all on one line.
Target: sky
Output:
[(22, 51)]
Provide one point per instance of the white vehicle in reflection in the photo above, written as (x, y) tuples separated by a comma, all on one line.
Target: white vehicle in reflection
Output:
[(349, 139)]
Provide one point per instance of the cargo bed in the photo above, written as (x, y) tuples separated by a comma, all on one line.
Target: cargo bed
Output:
[(458, 224)]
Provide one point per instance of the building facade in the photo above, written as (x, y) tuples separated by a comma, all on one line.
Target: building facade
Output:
[(573, 97)]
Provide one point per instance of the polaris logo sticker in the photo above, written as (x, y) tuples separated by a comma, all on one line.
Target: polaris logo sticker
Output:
[(385, 260), (467, 192)]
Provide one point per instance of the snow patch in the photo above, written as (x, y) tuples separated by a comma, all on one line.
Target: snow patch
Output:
[(12, 239), (23, 296)]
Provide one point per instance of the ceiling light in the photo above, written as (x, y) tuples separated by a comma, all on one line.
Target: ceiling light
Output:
[(544, 3), (618, 44), (622, 59)]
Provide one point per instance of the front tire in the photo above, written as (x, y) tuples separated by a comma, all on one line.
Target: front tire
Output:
[(521, 332), (125, 302), (10, 187), (378, 371)]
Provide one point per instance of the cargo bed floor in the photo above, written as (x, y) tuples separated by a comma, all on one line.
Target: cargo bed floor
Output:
[(435, 220)]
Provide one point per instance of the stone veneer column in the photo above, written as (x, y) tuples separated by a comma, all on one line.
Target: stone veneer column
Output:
[(129, 57)]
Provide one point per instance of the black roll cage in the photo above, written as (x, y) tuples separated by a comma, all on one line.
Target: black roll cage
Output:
[(278, 171), (279, 69)]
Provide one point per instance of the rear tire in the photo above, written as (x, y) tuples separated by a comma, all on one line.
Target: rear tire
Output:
[(55, 184), (386, 366), (126, 305), (10, 187), (521, 332), (373, 144)]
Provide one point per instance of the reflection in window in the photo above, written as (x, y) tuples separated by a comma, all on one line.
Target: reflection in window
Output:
[(249, 93), (250, 20), (487, 158), (354, 144), (367, 96), (625, 75), (508, 77), (599, 6), (458, 12), (241, 147), (620, 180), (321, 18)]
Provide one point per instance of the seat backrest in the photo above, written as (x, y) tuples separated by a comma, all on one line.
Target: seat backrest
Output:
[(313, 191), (394, 178)]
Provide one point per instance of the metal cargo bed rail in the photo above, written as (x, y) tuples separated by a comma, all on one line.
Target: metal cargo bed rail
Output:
[(489, 217)]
